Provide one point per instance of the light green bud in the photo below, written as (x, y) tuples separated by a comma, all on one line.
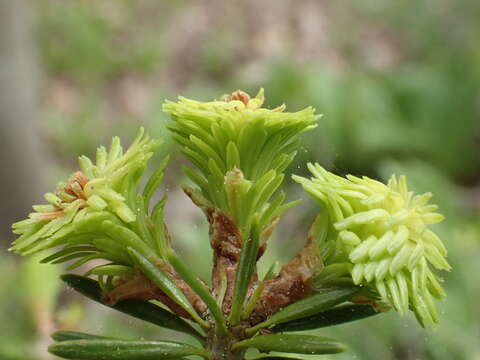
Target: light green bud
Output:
[(237, 134), (384, 232), (103, 187)]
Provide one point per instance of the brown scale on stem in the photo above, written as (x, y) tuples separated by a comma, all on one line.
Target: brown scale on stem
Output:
[(294, 282), (225, 240), (142, 288)]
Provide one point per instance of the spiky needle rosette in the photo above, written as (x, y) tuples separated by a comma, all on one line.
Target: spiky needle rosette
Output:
[(381, 233), (96, 214), (240, 151)]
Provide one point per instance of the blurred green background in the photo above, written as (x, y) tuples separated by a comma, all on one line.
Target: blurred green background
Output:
[(398, 84)]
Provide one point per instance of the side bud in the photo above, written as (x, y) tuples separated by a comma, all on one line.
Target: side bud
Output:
[(381, 234)]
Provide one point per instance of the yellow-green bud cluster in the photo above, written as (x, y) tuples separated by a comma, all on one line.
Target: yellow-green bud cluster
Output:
[(239, 149), (382, 232), (101, 188)]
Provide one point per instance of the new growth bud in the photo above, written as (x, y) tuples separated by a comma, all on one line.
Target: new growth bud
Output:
[(382, 234), (101, 191), (237, 137)]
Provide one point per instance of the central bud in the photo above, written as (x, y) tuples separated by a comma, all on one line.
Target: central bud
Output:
[(239, 153)]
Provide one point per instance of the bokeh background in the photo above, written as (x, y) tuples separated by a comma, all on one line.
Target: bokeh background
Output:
[(398, 83)]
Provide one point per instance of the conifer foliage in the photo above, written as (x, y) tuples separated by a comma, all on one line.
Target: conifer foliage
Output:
[(370, 247)]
